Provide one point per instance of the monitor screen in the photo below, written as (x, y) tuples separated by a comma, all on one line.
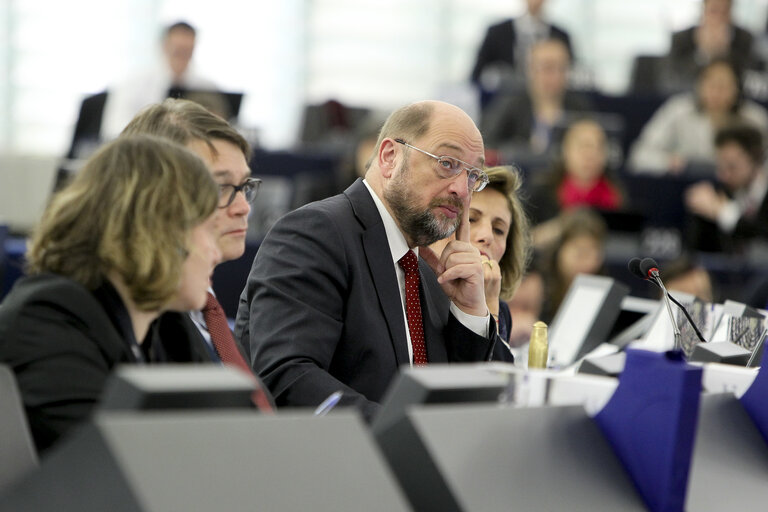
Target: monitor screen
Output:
[(585, 318)]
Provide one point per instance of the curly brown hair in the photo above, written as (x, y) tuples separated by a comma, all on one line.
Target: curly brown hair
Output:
[(129, 210)]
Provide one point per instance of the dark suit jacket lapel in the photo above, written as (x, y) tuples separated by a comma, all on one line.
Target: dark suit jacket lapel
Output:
[(380, 264), (179, 338)]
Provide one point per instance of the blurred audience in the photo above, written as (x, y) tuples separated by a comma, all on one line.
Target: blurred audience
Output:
[(499, 230), (756, 292), (681, 133), (355, 161), (578, 249), (131, 237), (507, 44), (685, 275), (715, 37), (734, 210), (174, 71), (526, 122), (525, 307), (579, 178)]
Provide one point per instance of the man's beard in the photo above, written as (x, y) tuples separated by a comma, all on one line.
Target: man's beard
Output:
[(422, 226)]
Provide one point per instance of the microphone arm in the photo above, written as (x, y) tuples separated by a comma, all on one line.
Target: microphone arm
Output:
[(648, 269), (685, 312), (675, 329), (688, 316)]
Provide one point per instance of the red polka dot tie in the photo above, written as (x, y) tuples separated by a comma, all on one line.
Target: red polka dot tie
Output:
[(225, 346), (410, 265)]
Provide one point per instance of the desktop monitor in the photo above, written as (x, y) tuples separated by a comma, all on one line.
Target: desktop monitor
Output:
[(408, 457), (177, 386), (585, 318), (204, 460), (438, 384)]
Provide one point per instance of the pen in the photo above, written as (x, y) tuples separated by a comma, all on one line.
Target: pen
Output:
[(329, 403)]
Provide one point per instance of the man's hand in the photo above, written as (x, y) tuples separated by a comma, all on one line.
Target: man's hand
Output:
[(459, 270), (703, 200)]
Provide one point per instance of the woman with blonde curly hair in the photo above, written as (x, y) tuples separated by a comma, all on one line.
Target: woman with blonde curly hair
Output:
[(130, 237), (499, 230)]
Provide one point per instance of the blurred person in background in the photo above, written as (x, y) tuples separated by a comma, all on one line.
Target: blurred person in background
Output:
[(506, 45), (715, 37), (734, 210), (685, 275), (175, 70), (682, 131), (525, 307), (579, 178), (131, 237), (579, 249), (525, 122), (356, 160)]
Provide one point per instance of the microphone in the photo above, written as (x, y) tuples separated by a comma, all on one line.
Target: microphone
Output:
[(648, 269), (634, 268)]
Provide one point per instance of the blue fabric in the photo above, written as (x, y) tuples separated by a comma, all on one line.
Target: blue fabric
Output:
[(650, 421)]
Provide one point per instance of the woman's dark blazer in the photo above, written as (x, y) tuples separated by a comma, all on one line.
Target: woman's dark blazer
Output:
[(62, 344)]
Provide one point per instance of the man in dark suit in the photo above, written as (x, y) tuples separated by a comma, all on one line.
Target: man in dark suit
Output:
[(734, 212), (506, 44), (326, 302), (226, 153), (714, 37)]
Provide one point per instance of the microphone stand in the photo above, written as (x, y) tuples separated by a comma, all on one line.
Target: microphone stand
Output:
[(675, 329)]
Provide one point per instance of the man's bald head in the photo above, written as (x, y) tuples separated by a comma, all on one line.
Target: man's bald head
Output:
[(415, 120)]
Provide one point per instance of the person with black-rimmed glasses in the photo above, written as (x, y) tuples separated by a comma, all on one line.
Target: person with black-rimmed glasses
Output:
[(344, 291), (226, 153)]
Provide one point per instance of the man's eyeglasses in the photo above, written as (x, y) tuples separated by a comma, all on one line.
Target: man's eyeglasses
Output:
[(227, 192), (450, 167)]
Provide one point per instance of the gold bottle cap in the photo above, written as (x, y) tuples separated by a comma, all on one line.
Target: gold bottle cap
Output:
[(539, 333)]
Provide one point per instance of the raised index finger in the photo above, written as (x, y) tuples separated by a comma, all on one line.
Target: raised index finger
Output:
[(462, 232)]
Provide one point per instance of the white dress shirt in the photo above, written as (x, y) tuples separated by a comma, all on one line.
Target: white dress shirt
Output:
[(398, 247), (745, 203), (197, 318), (127, 97)]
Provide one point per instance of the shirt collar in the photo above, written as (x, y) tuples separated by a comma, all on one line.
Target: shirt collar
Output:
[(397, 244), (531, 26)]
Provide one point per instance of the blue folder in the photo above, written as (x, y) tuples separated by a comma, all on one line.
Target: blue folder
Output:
[(650, 421)]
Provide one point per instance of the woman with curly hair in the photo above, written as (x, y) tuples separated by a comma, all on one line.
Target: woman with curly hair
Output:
[(131, 237)]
